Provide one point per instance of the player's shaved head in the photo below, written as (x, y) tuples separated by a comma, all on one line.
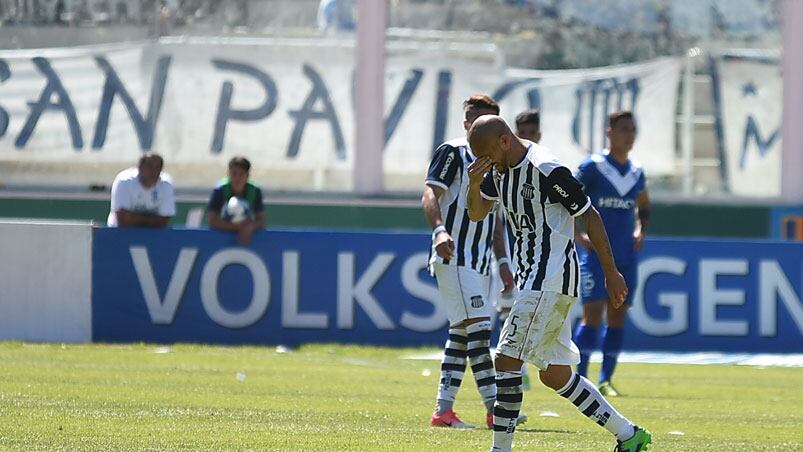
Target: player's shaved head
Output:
[(485, 132)]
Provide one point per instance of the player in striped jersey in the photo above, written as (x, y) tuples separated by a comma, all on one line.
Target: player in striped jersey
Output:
[(541, 198), (528, 127), (460, 260), (615, 184)]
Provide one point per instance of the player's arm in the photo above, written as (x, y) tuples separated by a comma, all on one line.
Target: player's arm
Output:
[(444, 244), (581, 236), (217, 222), (441, 173), (500, 251), (563, 188), (584, 175), (614, 282), (129, 218), (481, 191), (643, 213)]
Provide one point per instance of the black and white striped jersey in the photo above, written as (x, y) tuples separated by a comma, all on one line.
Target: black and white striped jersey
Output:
[(540, 197), (448, 170)]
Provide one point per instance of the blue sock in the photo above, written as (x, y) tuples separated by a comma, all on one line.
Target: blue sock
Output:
[(585, 337), (611, 346)]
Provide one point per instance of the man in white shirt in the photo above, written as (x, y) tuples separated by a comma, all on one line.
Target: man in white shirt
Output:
[(143, 196)]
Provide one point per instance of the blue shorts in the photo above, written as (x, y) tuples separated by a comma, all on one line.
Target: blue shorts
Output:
[(592, 281)]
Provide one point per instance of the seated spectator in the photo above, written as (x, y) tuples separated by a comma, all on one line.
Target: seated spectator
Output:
[(236, 204), (143, 196)]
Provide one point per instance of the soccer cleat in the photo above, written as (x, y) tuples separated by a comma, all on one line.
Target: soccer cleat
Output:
[(489, 420), (637, 443), (448, 419), (607, 389)]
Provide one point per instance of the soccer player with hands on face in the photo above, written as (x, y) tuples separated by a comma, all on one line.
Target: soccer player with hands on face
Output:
[(541, 198), (460, 260)]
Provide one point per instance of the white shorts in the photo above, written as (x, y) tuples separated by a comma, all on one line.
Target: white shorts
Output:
[(464, 292), (539, 331)]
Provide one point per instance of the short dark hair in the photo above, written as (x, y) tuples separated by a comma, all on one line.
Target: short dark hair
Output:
[(481, 101), (151, 156), (531, 116), (240, 161), (616, 116)]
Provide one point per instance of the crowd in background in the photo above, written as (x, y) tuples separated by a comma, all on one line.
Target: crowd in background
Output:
[(568, 33)]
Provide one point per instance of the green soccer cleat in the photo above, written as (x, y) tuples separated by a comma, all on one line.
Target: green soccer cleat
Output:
[(636, 443), (607, 389)]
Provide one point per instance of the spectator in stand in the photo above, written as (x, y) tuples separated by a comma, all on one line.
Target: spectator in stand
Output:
[(143, 196), (236, 203)]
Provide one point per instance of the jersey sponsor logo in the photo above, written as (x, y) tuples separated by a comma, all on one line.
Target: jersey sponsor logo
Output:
[(449, 159), (560, 190), (613, 202), (574, 206), (476, 301), (527, 191), (521, 221)]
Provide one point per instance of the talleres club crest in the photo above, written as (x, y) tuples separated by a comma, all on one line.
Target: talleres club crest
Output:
[(527, 191)]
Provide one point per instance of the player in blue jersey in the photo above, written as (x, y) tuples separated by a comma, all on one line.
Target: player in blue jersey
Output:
[(615, 184)]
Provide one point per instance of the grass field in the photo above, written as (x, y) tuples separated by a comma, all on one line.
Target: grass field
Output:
[(330, 398)]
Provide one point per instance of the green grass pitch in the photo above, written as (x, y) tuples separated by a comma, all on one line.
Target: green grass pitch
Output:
[(332, 398)]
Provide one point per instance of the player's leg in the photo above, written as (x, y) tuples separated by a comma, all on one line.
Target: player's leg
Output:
[(588, 400), (478, 307), (594, 298), (509, 398), (455, 354), (514, 343), (613, 335)]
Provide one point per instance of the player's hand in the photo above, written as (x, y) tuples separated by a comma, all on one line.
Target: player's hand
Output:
[(478, 168), (638, 240), (444, 245), (617, 288), (507, 279)]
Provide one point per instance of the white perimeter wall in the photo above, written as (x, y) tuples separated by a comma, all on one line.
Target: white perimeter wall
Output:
[(46, 281)]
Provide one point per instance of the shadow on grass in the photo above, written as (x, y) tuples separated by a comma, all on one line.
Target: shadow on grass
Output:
[(544, 430)]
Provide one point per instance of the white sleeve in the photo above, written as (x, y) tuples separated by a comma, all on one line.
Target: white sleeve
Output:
[(167, 206), (120, 196)]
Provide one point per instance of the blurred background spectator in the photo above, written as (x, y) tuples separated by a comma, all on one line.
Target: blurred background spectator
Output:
[(545, 34)]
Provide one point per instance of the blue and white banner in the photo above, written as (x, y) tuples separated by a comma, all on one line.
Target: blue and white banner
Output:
[(373, 288), (286, 288), (79, 115), (575, 104), (748, 105)]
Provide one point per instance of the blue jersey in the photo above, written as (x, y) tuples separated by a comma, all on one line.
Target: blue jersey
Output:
[(613, 189)]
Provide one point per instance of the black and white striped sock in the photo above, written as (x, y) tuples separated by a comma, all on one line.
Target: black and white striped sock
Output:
[(482, 366), (506, 408), (453, 366), (585, 396)]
